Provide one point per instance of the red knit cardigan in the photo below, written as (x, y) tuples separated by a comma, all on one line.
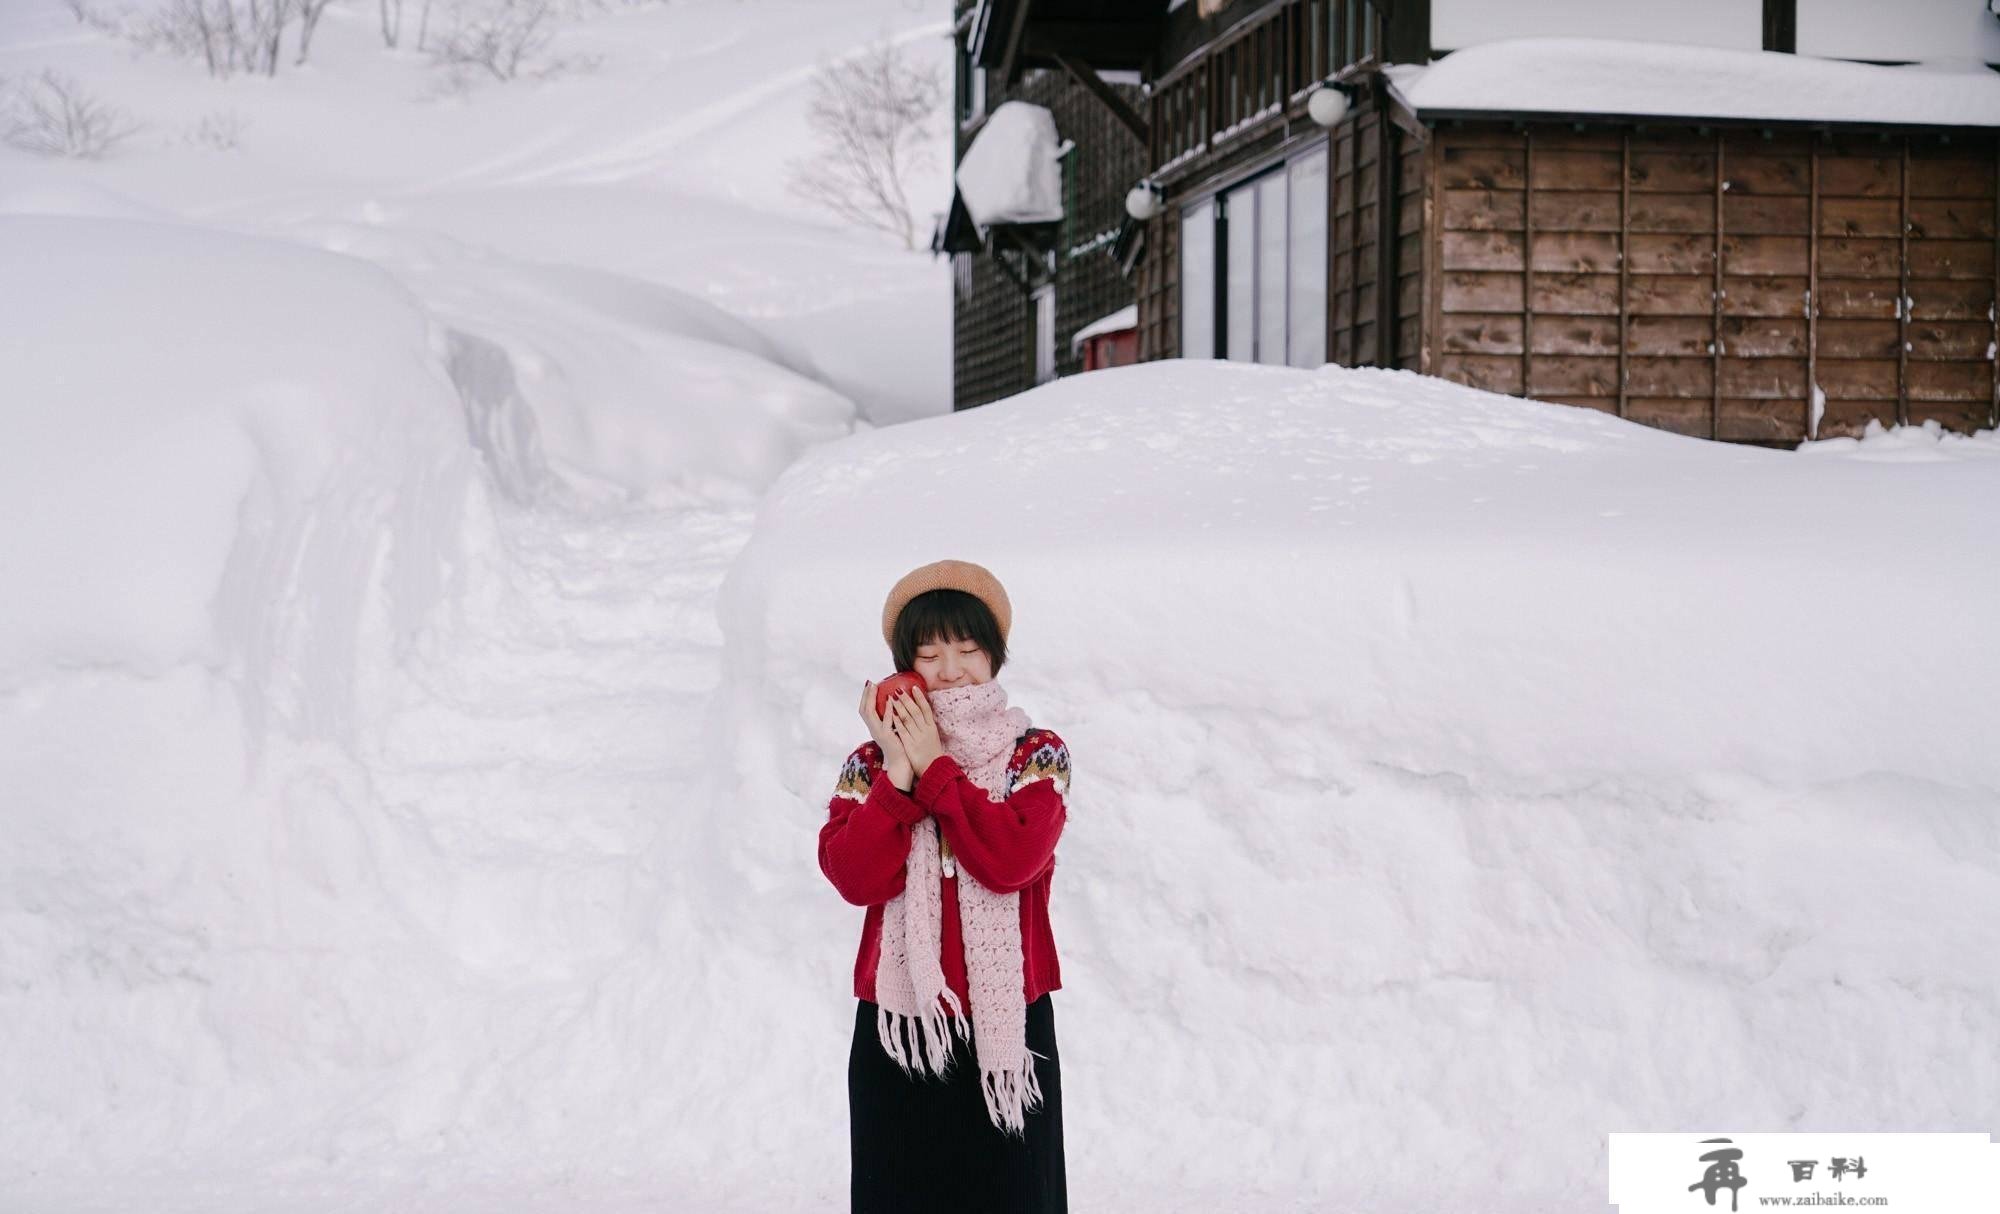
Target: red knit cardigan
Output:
[(1006, 845)]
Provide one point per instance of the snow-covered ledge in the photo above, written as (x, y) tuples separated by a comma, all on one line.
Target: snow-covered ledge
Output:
[(1620, 76)]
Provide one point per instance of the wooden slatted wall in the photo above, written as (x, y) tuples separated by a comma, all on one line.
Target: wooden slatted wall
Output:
[(1159, 288), (993, 328), (1413, 162), (1949, 329), (1664, 276), (1351, 237)]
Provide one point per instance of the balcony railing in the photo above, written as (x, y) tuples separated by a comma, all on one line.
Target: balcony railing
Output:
[(1257, 71)]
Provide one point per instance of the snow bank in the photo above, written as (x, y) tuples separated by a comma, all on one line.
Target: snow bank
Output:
[(340, 744), (629, 382), (1905, 444), (1617, 76), (1439, 754), (666, 161), (360, 621), (235, 475), (205, 434), (1010, 173)]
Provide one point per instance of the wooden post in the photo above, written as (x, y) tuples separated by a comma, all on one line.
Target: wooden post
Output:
[(1433, 267), (1903, 296), (1353, 137), (1388, 169), (1812, 288), (1527, 258), (1208, 102), (1031, 344), (1209, 105), (1332, 245), (1624, 261), (1013, 46), (1088, 79), (1993, 410), (1715, 323)]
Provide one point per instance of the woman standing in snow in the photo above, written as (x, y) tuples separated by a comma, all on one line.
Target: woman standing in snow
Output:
[(944, 826)]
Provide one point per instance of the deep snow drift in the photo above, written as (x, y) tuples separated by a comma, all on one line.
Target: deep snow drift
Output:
[(1456, 777), (661, 157), (1438, 753)]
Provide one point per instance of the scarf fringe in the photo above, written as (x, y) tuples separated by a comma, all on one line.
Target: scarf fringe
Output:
[(1011, 1094), (929, 1036)]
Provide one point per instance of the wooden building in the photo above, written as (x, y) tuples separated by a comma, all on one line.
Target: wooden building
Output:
[(1762, 276), (1022, 292)]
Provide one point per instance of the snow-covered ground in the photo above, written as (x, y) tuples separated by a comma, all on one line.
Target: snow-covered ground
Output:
[(446, 535)]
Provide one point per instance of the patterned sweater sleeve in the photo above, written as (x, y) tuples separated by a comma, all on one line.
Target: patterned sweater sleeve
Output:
[(865, 844), (1005, 844)]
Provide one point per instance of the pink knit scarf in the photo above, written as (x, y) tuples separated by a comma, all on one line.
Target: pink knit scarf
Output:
[(979, 731)]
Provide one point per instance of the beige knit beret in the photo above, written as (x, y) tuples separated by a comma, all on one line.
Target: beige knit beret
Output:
[(974, 579)]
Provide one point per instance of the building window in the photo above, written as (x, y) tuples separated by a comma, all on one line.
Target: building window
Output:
[(1238, 217), (1045, 333), (1198, 280), (1306, 306), (1253, 268), (1271, 269), (1253, 214)]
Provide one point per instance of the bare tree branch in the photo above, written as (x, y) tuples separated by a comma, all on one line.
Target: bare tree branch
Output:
[(869, 116), (52, 115), (498, 36)]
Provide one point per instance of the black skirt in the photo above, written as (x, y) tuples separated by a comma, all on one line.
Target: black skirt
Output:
[(925, 1144)]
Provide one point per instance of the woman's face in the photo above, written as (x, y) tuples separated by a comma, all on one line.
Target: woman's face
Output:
[(952, 664)]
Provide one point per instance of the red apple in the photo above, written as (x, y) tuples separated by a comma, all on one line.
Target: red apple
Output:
[(895, 683)]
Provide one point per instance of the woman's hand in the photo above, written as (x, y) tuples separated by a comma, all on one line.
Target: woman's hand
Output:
[(895, 762), (910, 716)]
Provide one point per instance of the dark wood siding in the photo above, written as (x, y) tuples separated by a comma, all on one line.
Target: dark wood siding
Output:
[(1664, 275), (993, 329), (1350, 292), (1159, 275), (1412, 251), (992, 335), (1355, 308)]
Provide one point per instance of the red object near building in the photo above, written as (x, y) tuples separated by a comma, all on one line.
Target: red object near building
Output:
[(1110, 342)]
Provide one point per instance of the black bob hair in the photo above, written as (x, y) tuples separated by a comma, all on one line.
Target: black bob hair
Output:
[(946, 615)]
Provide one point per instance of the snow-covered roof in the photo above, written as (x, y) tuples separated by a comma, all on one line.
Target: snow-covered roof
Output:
[(1010, 173), (1126, 317), (1619, 76)]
